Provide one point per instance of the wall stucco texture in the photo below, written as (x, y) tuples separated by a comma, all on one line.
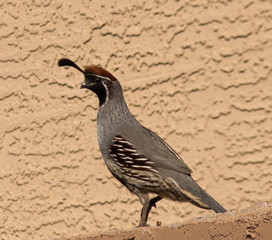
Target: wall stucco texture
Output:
[(198, 73)]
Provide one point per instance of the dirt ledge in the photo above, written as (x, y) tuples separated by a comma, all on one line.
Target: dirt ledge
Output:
[(251, 223)]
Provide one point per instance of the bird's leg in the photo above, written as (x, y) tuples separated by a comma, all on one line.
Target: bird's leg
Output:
[(147, 205), (154, 200)]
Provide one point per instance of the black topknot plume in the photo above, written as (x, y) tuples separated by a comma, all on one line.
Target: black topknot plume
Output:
[(67, 62)]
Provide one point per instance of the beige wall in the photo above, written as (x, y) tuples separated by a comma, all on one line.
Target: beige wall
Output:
[(199, 73)]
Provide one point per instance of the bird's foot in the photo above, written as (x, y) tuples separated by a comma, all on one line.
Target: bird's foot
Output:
[(143, 225)]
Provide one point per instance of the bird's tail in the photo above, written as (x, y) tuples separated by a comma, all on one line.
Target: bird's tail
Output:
[(185, 188)]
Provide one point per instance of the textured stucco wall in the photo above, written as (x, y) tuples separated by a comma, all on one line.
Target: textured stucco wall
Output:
[(199, 73)]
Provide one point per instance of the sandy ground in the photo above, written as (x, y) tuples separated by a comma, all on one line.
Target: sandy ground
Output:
[(251, 223)]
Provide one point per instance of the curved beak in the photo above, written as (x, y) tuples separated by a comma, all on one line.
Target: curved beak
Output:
[(84, 85)]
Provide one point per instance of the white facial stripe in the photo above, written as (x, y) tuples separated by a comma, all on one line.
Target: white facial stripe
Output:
[(107, 90), (99, 76)]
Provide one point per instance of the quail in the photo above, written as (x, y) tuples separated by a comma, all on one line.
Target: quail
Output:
[(135, 155)]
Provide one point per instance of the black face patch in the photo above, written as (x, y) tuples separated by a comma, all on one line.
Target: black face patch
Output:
[(95, 84), (100, 90)]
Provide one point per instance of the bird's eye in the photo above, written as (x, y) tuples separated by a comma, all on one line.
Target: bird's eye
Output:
[(97, 79)]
